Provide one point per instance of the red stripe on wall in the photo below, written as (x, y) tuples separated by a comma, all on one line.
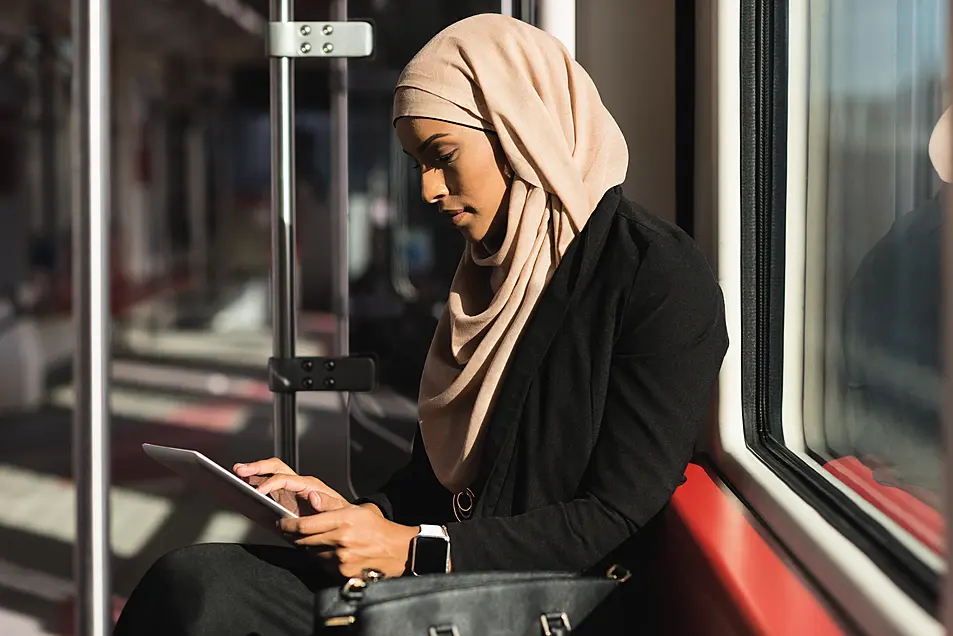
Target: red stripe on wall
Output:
[(765, 595)]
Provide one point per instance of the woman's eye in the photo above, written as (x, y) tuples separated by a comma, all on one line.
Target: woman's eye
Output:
[(441, 159)]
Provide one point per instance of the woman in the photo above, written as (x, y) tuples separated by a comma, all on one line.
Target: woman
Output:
[(567, 378)]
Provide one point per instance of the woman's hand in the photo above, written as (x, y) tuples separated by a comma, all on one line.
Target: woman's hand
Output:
[(274, 477), (350, 539), (318, 496)]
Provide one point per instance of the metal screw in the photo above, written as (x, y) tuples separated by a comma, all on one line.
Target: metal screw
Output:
[(308, 383), (329, 383), (327, 29), (305, 48), (328, 47), (330, 365), (307, 365), (305, 30)]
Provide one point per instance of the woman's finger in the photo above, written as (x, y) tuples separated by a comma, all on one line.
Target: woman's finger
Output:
[(314, 524), (271, 466), (293, 483), (325, 502), (320, 542), (254, 480)]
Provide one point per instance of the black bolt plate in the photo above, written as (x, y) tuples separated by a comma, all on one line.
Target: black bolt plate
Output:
[(357, 373)]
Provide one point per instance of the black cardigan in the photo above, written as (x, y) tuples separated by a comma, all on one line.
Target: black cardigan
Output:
[(597, 416)]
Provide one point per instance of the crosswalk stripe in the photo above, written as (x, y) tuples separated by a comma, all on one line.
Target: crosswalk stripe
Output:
[(16, 624), (251, 348), (142, 405), (225, 527), (35, 583), (45, 506)]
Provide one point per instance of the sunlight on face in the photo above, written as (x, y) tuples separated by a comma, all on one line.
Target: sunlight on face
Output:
[(461, 172)]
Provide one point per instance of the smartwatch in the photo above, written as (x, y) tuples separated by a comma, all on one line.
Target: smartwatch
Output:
[(430, 551)]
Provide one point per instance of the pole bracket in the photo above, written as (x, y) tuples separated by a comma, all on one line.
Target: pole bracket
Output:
[(320, 39), (356, 373)]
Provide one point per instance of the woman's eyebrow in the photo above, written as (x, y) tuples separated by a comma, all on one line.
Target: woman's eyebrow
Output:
[(430, 140), (427, 142)]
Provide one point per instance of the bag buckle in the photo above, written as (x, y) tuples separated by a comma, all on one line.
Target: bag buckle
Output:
[(619, 573), (444, 630), (370, 575), (555, 624), (354, 588)]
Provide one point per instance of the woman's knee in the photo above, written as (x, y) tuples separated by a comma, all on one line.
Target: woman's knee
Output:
[(175, 591), (194, 563)]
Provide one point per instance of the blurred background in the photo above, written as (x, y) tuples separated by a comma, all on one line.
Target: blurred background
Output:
[(190, 249), (189, 279)]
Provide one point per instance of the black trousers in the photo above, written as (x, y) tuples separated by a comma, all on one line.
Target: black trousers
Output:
[(225, 590)]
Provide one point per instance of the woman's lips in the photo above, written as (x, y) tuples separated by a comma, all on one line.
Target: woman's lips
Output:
[(456, 216)]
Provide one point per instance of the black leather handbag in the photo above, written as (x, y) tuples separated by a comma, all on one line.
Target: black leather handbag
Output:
[(473, 604)]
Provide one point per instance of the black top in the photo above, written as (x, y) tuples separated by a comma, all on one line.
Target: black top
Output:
[(598, 414), (892, 351)]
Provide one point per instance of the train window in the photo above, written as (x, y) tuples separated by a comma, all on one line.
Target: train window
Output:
[(843, 206)]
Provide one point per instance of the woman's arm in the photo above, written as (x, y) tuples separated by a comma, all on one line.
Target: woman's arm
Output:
[(413, 495), (663, 370)]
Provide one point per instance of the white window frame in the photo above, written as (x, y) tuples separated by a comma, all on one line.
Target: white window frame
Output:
[(861, 589)]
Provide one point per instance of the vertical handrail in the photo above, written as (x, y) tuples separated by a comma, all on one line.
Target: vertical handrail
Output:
[(197, 178), (90, 149), (946, 353), (283, 235), (340, 286)]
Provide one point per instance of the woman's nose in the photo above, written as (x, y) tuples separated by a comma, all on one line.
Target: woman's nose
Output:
[(433, 186)]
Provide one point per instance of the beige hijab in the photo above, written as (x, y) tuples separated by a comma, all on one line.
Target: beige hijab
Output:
[(566, 150)]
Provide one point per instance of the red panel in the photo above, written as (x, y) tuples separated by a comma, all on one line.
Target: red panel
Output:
[(767, 596), (919, 519)]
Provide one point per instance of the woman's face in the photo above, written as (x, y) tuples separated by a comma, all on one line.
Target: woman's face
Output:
[(462, 172)]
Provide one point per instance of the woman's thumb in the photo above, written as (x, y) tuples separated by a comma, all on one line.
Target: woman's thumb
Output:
[(314, 499)]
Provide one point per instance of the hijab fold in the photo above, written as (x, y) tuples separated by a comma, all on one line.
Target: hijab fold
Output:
[(500, 74)]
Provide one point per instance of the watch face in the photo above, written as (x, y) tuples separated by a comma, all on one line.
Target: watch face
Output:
[(430, 555)]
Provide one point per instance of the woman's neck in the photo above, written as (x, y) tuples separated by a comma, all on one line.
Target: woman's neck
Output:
[(493, 240)]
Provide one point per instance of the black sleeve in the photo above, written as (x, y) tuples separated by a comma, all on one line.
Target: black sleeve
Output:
[(413, 495), (664, 367)]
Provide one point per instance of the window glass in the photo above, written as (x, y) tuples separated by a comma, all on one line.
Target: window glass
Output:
[(872, 217)]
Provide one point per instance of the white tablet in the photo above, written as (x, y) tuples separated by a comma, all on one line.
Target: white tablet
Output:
[(200, 471)]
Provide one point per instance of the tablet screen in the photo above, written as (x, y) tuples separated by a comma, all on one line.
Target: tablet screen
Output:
[(201, 472)]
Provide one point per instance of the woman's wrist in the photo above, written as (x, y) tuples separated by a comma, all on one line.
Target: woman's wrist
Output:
[(405, 541)]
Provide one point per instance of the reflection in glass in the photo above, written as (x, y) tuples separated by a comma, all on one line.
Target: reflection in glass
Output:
[(872, 279)]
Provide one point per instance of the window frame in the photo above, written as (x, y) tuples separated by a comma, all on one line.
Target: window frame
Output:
[(803, 508)]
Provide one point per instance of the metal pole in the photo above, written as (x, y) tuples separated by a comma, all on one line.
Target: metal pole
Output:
[(340, 286), (558, 17), (506, 7), (339, 188), (197, 177), (49, 124), (947, 352), (91, 188), (282, 234)]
